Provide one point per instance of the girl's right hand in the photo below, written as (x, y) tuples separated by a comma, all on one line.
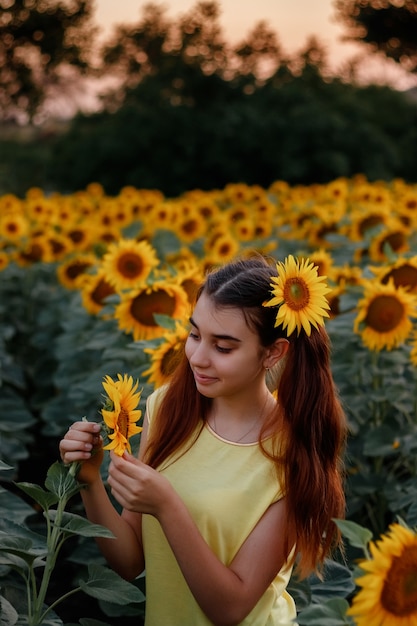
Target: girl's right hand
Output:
[(83, 443)]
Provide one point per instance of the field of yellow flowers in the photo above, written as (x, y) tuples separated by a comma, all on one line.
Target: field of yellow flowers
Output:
[(92, 285)]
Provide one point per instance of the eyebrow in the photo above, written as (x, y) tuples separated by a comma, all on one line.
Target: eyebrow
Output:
[(225, 337)]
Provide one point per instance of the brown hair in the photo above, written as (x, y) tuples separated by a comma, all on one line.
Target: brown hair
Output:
[(309, 420)]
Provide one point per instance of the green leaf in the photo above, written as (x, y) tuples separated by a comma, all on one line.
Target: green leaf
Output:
[(104, 584), (380, 441), (44, 498), (60, 482), (337, 582), (358, 536), (8, 614), (5, 466), (77, 525), (331, 613), (165, 321), (17, 546)]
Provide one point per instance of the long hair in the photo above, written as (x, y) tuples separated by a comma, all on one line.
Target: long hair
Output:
[(309, 420)]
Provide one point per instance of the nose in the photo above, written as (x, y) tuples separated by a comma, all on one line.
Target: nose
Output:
[(199, 355)]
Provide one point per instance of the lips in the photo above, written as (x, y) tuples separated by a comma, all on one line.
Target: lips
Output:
[(202, 379)]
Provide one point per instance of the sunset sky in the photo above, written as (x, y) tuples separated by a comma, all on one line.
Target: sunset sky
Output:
[(292, 20)]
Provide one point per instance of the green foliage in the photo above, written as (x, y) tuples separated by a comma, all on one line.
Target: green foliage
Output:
[(189, 111), (301, 129), (53, 357), (26, 552), (37, 40), (389, 27)]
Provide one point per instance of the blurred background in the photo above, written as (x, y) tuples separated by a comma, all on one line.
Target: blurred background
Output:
[(194, 95)]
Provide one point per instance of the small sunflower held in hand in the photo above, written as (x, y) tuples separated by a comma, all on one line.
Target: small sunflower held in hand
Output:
[(120, 413)]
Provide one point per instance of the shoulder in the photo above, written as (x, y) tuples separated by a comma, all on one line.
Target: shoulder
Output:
[(154, 401)]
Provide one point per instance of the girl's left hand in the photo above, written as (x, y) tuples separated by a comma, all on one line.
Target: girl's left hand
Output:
[(136, 486)]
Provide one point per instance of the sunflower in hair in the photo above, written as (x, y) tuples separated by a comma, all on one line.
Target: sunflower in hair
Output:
[(299, 292)]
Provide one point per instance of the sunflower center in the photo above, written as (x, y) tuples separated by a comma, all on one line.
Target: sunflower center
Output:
[(144, 306), (395, 240), (101, 291), (130, 265), (399, 594), (123, 422), (369, 222), (296, 293), (384, 313), (404, 276)]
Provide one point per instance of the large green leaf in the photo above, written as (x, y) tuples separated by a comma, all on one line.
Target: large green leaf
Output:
[(44, 498), (20, 547), (337, 582), (77, 525), (357, 535), (8, 614), (104, 584), (331, 613), (60, 482)]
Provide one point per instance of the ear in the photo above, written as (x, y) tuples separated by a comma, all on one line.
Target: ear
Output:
[(276, 352)]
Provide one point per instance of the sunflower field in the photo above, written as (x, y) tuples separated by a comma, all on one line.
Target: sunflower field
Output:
[(93, 285)]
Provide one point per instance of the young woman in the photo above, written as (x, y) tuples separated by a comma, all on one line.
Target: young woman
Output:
[(239, 468)]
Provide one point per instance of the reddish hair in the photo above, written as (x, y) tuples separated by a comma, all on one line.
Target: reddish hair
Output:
[(309, 419)]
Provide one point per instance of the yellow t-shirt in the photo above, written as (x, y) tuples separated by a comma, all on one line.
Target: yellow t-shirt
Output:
[(227, 487)]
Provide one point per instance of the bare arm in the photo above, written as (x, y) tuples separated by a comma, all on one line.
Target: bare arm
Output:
[(124, 553), (226, 594)]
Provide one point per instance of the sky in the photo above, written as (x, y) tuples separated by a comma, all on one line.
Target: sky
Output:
[(294, 21)]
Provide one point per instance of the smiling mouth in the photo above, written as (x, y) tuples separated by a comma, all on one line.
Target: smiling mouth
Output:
[(201, 378)]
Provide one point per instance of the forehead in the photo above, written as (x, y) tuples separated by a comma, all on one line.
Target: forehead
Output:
[(220, 320)]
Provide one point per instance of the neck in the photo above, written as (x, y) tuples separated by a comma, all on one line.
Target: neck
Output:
[(240, 421)]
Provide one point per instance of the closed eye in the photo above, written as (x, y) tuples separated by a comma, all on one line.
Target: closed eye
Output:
[(223, 350)]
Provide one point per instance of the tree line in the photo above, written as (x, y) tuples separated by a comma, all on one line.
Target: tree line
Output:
[(187, 110)]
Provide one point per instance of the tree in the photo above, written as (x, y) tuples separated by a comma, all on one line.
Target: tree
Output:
[(388, 26), (180, 54), (45, 45)]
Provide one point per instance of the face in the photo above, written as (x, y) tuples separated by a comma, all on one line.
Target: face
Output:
[(225, 355)]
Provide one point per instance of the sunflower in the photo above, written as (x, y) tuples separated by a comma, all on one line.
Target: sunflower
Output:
[(136, 311), (95, 289), (4, 260), (389, 586), (393, 237), (71, 271), (80, 235), (128, 263), (37, 249), (384, 314), (190, 277), (403, 272), (223, 248), (191, 227), (323, 260), (299, 292), (13, 227), (165, 357), (119, 413)]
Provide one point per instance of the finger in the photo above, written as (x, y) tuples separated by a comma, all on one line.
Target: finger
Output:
[(83, 427)]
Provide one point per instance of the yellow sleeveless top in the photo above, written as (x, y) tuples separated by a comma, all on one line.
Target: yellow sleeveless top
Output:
[(226, 487)]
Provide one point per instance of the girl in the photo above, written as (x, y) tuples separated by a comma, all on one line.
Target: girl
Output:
[(239, 468)]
